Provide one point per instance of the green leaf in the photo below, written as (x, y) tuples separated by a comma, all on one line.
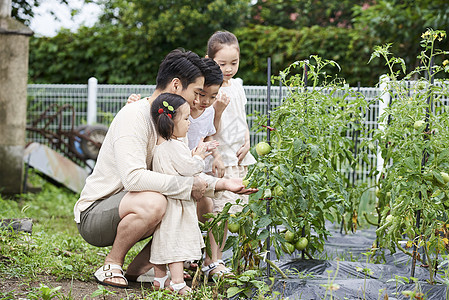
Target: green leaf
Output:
[(233, 290)]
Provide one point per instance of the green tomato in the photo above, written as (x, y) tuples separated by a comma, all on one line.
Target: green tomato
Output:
[(289, 236), (267, 193), (245, 182), (278, 191), (263, 148), (389, 219), (445, 176), (378, 193), (418, 124), (288, 248), (234, 227), (301, 244)]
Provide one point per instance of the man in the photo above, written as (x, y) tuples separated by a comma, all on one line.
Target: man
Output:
[(123, 200)]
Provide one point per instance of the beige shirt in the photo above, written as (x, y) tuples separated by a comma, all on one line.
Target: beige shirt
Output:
[(124, 161)]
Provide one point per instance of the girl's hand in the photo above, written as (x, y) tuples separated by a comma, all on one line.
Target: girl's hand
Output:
[(133, 98), (221, 102), (201, 150), (211, 145), (218, 168), (241, 153)]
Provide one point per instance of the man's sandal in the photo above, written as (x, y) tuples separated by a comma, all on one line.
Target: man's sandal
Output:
[(209, 268), (190, 265), (105, 272), (142, 278), (177, 287), (161, 281), (148, 277), (228, 270)]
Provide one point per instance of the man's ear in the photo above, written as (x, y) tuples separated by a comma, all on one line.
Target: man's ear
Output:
[(175, 85)]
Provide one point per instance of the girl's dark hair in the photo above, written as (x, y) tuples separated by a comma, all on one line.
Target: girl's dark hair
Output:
[(185, 65), (161, 113), (214, 76), (218, 39)]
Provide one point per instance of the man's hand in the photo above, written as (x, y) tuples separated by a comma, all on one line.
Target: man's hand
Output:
[(234, 185), (198, 188)]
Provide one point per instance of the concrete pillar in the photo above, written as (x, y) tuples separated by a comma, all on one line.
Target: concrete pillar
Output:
[(14, 38)]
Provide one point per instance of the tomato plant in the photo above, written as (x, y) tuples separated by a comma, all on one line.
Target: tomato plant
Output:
[(312, 151), (413, 189)]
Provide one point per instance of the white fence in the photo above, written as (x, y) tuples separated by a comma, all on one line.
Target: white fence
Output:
[(98, 103), (101, 105)]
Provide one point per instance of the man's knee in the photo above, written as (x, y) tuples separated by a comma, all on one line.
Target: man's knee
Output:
[(158, 205), (147, 204)]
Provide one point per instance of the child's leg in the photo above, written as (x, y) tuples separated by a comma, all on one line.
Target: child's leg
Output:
[(160, 271), (216, 251), (177, 277), (219, 203)]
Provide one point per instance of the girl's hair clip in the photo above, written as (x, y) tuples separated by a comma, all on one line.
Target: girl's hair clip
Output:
[(161, 111), (169, 107)]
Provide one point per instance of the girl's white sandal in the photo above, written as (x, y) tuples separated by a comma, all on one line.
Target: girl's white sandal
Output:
[(161, 281), (177, 287)]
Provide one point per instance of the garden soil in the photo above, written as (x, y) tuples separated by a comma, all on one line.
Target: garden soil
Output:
[(19, 289), (341, 276)]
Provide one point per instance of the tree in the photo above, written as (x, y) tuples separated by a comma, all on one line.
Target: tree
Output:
[(298, 14), (22, 10), (401, 22), (130, 40)]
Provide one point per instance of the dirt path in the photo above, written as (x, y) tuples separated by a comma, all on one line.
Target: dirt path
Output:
[(17, 288)]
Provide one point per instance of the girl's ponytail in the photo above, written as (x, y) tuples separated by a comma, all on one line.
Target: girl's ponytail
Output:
[(163, 112)]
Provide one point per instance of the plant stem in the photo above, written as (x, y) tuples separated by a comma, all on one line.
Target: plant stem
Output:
[(272, 264), (429, 261), (365, 215)]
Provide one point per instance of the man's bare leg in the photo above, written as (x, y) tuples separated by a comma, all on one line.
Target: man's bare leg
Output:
[(140, 213)]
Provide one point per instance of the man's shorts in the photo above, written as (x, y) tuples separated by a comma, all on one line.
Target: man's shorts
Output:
[(99, 221)]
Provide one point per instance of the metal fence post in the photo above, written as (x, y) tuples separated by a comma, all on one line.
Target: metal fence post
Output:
[(383, 103), (92, 89)]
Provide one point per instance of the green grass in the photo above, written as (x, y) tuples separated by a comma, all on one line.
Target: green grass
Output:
[(56, 249)]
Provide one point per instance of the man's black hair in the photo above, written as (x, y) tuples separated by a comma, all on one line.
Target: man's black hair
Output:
[(185, 65)]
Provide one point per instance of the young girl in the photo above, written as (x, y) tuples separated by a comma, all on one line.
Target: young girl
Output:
[(178, 237), (232, 133)]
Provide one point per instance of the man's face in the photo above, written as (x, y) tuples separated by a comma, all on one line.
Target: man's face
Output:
[(192, 92), (207, 96)]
